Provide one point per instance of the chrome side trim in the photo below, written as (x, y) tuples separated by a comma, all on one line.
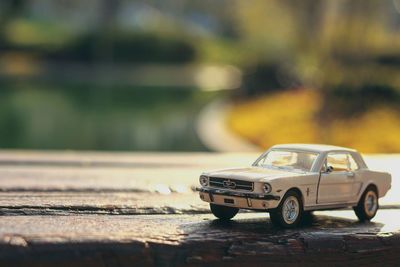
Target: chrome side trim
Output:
[(330, 206)]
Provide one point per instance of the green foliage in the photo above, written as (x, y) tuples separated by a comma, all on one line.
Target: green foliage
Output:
[(126, 47), (23, 33)]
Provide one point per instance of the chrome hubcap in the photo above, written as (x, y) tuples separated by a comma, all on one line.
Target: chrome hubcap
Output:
[(290, 210), (371, 203)]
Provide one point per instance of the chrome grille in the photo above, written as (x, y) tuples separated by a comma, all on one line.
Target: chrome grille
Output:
[(233, 184)]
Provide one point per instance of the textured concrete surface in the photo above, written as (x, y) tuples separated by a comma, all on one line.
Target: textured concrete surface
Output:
[(124, 209)]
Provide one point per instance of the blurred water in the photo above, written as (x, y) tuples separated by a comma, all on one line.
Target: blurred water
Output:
[(94, 117)]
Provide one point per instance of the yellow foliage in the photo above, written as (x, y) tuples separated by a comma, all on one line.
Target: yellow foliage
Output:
[(378, 130), (290, 117)]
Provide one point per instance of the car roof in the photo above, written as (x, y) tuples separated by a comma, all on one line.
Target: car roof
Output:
[(313, 147)]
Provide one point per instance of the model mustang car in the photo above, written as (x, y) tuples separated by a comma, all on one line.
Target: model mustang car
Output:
[(290, 180)]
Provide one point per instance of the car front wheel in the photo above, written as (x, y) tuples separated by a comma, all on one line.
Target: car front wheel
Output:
[(222, 212), (289, 212), (368, 205)]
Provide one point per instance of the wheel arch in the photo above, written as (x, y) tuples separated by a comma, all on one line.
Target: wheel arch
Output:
[(298, 191), (364, 188)]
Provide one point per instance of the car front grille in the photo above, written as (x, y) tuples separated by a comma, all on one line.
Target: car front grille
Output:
[(232, 184)]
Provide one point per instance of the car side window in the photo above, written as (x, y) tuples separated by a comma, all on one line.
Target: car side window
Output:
[(353, 163), (338, 161)]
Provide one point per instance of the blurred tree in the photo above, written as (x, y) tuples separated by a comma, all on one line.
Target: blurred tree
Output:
[(9, 10), (343, 48), (266, 32), (106, 29)]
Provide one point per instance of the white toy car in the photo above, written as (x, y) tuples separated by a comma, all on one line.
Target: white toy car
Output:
[(290, 180)]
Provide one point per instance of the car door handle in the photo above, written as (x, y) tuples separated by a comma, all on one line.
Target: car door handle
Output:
[(350, 174)]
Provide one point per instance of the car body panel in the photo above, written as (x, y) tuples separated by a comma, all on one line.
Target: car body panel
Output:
[(252, 173), (336, 187)]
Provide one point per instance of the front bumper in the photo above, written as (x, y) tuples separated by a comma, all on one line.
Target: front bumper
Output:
[(239, 199)]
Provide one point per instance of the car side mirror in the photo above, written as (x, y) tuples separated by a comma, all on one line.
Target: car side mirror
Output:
[(329, 169)]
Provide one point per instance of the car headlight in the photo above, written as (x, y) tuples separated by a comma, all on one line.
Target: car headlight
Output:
[(267, 188), (203, 180)]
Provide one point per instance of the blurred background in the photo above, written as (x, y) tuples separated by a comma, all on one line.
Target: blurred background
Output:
[(140, 75)]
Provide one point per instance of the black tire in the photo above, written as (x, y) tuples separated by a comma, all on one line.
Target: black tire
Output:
[(277, 216), (366, 208), (223, 212)]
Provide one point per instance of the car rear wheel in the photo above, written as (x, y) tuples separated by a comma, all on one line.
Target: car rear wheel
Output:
[(289, 212), (223, 212), (368, 205)]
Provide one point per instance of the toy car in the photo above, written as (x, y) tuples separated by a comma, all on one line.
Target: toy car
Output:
[(291, 180)]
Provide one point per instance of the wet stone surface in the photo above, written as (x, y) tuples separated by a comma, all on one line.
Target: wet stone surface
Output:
[(92, 209)]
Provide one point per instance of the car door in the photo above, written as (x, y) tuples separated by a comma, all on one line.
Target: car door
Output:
[(357, 182), (337, 179)]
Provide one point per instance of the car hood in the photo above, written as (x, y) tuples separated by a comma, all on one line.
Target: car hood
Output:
[(253, 173)]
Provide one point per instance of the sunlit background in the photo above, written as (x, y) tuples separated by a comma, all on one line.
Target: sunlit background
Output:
[(169, 75)]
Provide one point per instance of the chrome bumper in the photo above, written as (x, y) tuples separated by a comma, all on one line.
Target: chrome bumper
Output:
[(240, 200), (237, 194)]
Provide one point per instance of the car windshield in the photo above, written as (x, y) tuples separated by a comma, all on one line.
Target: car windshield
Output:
[(285, 159)]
